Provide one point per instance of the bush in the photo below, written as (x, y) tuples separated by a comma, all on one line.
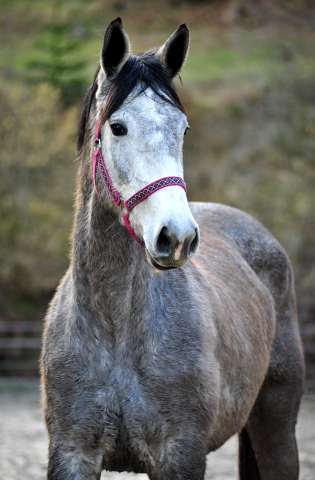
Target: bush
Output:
[(37, 174)]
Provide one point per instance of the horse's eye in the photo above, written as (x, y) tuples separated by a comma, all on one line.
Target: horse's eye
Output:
[(188, 128), (118, 129)]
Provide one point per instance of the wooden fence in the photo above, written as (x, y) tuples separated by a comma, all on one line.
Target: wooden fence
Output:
[(20, 344)]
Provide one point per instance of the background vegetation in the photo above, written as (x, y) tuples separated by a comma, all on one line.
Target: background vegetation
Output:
[(249, 89)]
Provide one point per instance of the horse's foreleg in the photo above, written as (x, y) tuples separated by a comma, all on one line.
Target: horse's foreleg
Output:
[(66, 463), (174, 473), (187, 461)]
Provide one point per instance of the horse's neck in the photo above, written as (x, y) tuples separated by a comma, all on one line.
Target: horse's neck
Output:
[(107, 264)]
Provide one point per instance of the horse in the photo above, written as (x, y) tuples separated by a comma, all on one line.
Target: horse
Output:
[(175, 326)]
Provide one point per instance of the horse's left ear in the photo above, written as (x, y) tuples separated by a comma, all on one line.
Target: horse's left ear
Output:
[(115, 49), (174, 52)]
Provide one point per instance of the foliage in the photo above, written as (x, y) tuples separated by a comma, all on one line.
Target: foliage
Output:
[(55, 61), (249, 88), (36, 186)]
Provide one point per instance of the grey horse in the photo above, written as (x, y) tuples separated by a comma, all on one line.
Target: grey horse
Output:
[(175, 325)]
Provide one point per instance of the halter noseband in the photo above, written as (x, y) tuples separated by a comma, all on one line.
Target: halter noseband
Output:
[(137, 197)]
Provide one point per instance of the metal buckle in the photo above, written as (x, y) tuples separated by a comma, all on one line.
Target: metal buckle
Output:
[(121, 206), (98, 145)]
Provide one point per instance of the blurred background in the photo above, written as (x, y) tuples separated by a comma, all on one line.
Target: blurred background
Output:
[(248, 88)]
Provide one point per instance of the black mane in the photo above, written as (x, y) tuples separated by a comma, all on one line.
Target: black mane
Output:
[(88, 100), (145, 70)]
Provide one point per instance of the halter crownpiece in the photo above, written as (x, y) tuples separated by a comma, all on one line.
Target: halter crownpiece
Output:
[(131, 202)]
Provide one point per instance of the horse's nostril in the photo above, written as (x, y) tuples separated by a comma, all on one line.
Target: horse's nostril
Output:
[(193, 247), (163, 243), (169, 245)]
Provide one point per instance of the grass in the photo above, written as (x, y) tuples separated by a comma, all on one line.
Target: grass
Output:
[(215, 54)]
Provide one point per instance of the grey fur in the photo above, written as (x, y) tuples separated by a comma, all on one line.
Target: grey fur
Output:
[(149, 372)]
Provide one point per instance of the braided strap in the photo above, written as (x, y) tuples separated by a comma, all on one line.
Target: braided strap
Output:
[(98, 159), (151, 188), (131, 230)]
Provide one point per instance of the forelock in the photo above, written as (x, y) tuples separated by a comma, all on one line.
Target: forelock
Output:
[(144, 70)]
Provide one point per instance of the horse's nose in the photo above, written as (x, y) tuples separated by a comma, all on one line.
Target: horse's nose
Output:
[(173, 246)]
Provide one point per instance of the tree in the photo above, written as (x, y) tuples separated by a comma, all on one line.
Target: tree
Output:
[(55, 62)]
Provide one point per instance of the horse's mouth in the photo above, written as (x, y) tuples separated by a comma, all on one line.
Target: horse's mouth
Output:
[(158, 266)]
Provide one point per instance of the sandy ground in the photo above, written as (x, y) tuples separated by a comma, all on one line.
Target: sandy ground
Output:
[(23, 439)]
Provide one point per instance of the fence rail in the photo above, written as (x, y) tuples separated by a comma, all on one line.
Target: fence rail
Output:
[(20, 344)]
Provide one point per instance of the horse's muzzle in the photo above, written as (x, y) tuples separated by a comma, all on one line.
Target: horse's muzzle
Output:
[(172, 250)]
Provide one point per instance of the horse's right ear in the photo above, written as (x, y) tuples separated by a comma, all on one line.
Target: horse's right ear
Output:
[(174, 52), (115, 49)]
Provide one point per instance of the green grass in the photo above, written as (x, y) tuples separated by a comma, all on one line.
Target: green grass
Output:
[(249, 60), (214, 55)]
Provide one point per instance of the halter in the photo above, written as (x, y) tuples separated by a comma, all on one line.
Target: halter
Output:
[(137, 197)]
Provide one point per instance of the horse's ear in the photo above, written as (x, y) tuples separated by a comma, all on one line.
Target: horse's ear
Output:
[(115, 49), (174, 52)]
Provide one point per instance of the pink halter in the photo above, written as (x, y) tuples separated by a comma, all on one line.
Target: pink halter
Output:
[(132, 201)]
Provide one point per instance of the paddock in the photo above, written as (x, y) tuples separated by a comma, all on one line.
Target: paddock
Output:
[(23, 439)]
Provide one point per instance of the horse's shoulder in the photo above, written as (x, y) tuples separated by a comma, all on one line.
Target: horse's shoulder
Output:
[(251, 239)]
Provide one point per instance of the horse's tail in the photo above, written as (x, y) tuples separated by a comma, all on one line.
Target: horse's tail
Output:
[(247, 463)]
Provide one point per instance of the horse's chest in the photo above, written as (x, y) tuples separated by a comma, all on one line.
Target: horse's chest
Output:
[(132, 416), (125, 410)]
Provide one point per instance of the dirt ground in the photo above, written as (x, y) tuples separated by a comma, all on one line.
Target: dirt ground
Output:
[(23, 439)]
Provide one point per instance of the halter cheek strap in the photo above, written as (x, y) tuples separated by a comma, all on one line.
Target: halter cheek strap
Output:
[(131, 202)]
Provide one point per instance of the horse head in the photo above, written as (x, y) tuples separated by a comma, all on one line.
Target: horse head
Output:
[(140, 126)]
